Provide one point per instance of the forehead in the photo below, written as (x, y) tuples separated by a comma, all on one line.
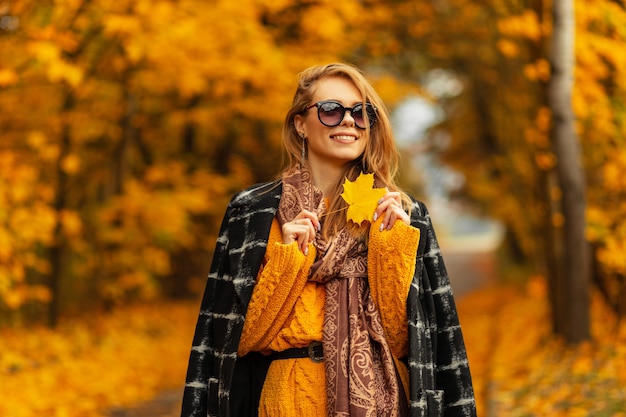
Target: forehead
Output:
[(336, 88)]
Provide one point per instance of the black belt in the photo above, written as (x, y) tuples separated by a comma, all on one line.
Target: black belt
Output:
[(314, 351)]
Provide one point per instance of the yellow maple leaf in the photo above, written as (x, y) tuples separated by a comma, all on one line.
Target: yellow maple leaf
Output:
[(362, 197)]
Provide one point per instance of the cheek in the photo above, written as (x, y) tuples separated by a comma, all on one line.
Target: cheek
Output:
[(318, 132), (365, 142)]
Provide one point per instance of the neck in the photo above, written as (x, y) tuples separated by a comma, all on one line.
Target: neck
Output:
[(325, 176)]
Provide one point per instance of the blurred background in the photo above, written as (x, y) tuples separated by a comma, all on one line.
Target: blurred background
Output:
[(126, 126)]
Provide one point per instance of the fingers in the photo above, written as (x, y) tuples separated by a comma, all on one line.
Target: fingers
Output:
[(311, 217), (390, 209), (301, 229)]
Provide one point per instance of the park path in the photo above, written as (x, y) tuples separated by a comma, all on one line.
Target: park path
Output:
[(471, 263), (166, 404), (470, 270)]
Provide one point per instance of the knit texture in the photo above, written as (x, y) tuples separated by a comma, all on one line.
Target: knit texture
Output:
[(294, 387), (285, 313), (285, 309), (391, 265), (218, 381)]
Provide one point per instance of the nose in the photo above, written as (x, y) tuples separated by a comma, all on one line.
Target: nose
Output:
[(347, 118)]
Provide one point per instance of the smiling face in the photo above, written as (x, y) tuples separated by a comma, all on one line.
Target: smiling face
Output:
[(332, 147)]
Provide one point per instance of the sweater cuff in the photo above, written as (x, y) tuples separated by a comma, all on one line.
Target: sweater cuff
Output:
[(286, 257), (401, 239)]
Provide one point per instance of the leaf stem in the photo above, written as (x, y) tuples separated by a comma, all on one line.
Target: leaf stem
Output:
[(331, 212)]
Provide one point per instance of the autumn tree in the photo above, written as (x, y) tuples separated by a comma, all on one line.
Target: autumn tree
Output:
[(128, 125), (570, 287), (502, 126)]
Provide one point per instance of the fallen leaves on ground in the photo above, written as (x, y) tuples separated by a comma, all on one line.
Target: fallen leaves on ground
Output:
[(520, 369), (90, 365)]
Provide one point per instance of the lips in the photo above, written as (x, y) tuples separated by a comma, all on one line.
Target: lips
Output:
[(344, 138)]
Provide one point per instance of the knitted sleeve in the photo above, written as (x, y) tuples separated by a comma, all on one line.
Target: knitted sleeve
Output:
[(282, 277), (391, 265)]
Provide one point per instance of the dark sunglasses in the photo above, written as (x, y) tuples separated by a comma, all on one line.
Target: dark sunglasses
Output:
[(331, 113)]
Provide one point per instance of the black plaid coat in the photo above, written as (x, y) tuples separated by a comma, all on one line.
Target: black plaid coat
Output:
[(221, 384)]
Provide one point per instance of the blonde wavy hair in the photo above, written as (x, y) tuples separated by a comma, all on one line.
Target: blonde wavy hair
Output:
[(380, 156)]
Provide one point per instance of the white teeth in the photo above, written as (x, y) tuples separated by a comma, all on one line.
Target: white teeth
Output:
[(344, 137)]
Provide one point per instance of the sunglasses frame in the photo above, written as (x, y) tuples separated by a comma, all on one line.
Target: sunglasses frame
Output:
[(319, 105)]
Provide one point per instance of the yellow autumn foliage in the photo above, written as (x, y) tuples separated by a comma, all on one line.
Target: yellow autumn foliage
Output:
[(126, 126), (524, 25), (26, 222), (129, 125), (92, 364), (520, 369), (499, 125)]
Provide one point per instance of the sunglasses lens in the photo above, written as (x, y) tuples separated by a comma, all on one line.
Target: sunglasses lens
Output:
[(331, 113), (359, 118), (357, 115)]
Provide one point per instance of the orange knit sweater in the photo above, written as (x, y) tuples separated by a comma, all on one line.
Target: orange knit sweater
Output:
[(286, 310)]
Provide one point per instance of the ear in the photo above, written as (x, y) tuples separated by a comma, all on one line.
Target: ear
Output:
[(298, 122)]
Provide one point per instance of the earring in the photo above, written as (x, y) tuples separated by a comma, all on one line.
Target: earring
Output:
[(303, 147)]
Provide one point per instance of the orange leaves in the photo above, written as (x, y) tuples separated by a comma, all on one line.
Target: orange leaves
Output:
[(71, 164), (613, 172), (519, 369), (140, 229), (57, 67), (92, 364), (7, 77), (545, 160), (508, 48), (361, 198), (600, 108), (121, 24), (337, 17), (524, 25), (538, 70), (26, 223), (515, 29), (19, 294), (71, 222), (501, 140), (145, 83), (393, 90), (170, 45), (612, 254), (41, 144)]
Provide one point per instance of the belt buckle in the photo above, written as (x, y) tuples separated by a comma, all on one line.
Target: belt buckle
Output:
[(311, 351)]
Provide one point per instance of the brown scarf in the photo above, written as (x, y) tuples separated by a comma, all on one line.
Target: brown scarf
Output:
[(361, 379)]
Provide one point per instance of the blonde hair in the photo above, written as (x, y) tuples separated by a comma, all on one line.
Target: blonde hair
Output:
[(380, 156)]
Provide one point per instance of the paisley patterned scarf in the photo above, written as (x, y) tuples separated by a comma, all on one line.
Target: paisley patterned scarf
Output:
[(361, 378)]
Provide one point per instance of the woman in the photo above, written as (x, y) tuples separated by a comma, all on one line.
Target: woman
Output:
[(309, 313)]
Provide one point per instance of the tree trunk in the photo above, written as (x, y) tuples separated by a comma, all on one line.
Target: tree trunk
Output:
[(58, 248), (120, 153), (571, 179), (555, 255)]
